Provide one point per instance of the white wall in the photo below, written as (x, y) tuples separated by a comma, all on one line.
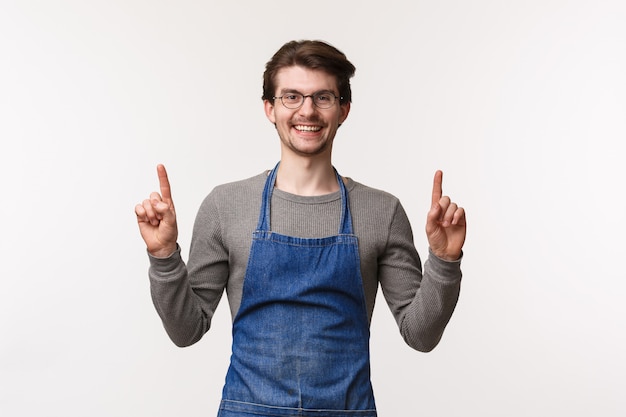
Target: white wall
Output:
[(521, 103)]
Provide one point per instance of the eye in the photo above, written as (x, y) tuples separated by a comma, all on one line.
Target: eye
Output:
[(324, 97), (292, 97)]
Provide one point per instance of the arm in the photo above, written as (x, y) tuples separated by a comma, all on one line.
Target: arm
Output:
[(433, 304), (423, 303), (184, 300)]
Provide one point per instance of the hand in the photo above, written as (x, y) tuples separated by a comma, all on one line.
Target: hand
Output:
[(445, 224), (157, 219)]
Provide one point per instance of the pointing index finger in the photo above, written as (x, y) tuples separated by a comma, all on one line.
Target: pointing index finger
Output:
[(437, 187), (164, 183)]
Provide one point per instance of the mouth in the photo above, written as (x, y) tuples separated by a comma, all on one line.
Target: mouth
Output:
[(307, 128)]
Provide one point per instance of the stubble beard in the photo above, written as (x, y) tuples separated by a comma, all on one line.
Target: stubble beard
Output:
[(320, 148), (290, 141)]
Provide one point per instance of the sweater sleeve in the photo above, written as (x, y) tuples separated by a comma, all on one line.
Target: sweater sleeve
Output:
[(186, 296), (422, 303)]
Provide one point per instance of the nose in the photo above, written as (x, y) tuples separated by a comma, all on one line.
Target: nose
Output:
[(307, 106)]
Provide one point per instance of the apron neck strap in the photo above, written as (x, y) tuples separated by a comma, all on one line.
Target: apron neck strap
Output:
[(345, 227)]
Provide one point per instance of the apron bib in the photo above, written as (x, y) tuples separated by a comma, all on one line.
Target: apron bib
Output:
[(301, 335)]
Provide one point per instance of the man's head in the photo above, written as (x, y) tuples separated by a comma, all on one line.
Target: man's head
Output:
[(315, 55)]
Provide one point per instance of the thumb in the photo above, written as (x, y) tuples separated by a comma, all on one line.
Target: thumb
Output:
[(434, 214), (164, 210)]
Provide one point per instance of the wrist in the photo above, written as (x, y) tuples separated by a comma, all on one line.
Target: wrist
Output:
[(165, 252), (448, 257)]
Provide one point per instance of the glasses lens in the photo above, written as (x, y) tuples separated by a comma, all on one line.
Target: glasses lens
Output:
[(292, 100), (324, 100)]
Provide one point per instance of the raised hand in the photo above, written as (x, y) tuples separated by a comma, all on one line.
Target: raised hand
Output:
[(445, 224), (157, 219)]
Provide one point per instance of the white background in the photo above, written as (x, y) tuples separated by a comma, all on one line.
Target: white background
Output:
[(522, 104)]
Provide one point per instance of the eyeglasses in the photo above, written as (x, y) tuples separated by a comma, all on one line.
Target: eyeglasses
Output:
[(321, 99)]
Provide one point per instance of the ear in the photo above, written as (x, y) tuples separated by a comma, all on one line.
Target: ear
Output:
[(344, 110), (269, 111)]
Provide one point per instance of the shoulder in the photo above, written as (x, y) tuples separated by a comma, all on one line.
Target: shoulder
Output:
[(376, 208), (380, 223), (241, 187), (373, 198), (231, 210), (236, 196)]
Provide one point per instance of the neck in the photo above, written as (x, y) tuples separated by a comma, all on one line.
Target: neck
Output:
[(306, 176)]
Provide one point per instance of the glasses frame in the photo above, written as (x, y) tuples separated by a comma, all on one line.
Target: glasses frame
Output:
[(304, 97)]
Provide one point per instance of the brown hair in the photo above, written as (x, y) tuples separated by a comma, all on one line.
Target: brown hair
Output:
[(315, 55)]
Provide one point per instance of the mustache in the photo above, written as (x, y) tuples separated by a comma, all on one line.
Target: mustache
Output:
[(276, 126), (309, 121)]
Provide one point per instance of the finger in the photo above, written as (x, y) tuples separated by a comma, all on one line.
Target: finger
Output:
[(155, 197), (433, 218), (162, 208), (149, 213), (140, 213), (438, 210), (448, 216), (459, 217), (444, 204), (164, 183), (437, 187)]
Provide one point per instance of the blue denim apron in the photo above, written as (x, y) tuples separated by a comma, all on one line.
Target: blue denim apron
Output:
[(301, 335)]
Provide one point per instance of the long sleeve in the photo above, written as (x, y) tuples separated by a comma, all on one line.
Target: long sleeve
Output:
[(186, 296), (422, 304)]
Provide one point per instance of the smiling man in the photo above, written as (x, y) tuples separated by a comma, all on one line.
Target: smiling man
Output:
[(301, 252)]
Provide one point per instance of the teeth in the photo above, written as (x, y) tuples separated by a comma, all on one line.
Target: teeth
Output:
[(307, 128)]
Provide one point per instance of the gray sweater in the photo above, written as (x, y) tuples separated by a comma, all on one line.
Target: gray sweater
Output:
[(186, 296)]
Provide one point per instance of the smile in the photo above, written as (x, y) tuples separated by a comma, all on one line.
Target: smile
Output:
[(303, 128)]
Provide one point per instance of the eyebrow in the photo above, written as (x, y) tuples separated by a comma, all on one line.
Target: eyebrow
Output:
[(293, 90)]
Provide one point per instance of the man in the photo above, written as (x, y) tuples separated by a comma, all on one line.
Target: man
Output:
[(301, 251)]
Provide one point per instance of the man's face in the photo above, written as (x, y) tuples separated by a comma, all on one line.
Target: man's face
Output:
[(307, 130)]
